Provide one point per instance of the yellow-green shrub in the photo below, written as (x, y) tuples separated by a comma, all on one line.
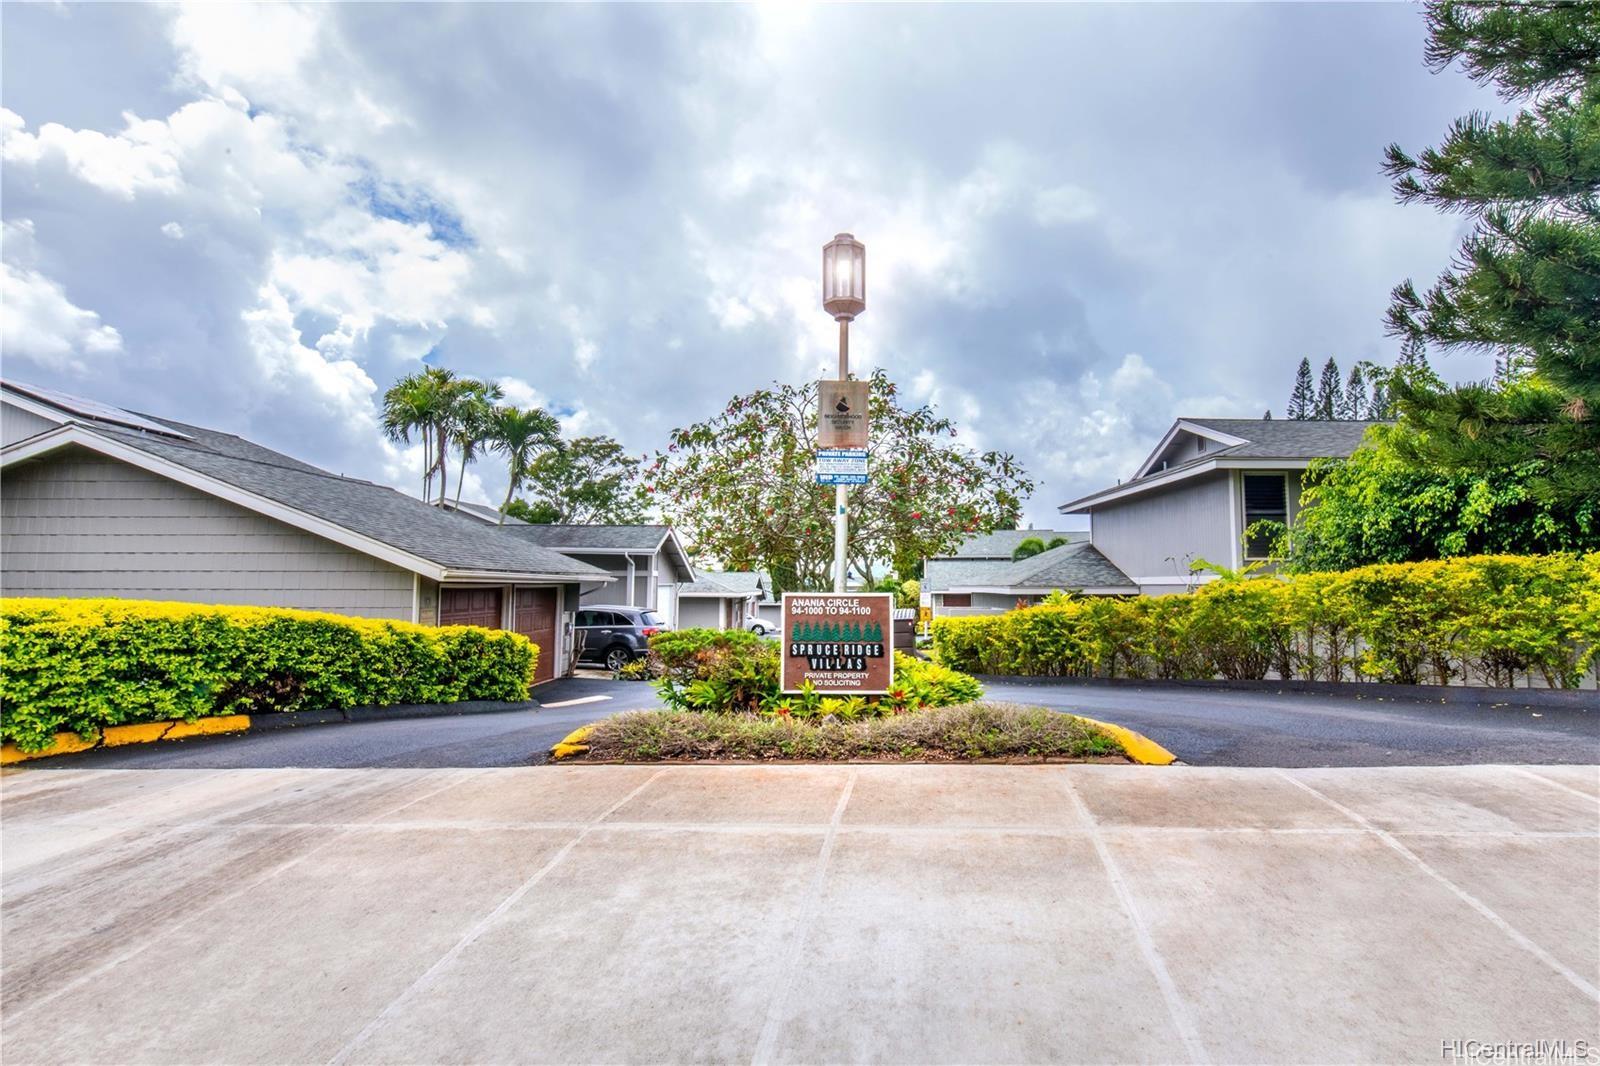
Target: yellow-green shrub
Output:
[(79, 665), (1483, 619)]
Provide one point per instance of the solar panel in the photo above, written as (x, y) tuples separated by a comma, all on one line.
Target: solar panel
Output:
[(100, 412)]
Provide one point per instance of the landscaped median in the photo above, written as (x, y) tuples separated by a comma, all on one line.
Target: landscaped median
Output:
[(79, 673), (724, 704)]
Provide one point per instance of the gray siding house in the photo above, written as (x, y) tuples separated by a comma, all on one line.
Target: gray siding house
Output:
[(104, 502), (725, 600), (647, 563), (1206, 482), (988, 582)]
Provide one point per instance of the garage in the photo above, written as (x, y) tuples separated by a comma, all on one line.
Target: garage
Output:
[(470, 607), (535, 618)]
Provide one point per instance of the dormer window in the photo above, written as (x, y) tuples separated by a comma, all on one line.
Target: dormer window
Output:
[(1201, 444)]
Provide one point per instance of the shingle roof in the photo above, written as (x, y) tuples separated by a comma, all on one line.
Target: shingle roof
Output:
[(377, 512), (1002, 542), (578, 537), (1072, 566), (1288, 438), (727, 583)]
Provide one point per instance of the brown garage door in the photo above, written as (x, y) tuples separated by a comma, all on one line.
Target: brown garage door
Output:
[(469, 607), (536, 620)]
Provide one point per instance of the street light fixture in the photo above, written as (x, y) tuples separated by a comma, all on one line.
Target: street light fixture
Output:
[(844, 296)]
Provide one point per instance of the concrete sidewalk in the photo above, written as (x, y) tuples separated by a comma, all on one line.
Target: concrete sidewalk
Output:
[(797, 914)]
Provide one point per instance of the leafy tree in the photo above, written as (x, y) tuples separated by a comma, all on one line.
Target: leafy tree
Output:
[(1330, 399), (424, 404), (1303, 399), (1526, 283), (472, 406), (1028, 548), (1380, 506), (590, 480), (519, 434), (741, 485)]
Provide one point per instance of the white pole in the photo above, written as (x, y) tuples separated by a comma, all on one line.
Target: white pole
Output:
[(841, 519)]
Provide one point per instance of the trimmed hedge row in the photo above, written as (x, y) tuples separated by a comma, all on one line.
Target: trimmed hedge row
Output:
[(1488, 619), (78, 665)]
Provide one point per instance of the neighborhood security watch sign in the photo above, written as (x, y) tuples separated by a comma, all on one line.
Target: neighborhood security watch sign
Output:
[(841, 643), (842, 414)]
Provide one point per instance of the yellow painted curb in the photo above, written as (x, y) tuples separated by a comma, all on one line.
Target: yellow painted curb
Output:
[(572, 744), (115, 736), (200, 727), (63, 744), (1140, 748)]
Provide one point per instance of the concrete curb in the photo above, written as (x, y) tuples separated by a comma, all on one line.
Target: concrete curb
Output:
[(1455, 695), (572, 744), (116, 736), (1140, 748)]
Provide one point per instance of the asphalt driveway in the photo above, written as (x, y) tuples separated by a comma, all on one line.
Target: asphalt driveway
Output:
[(1202, 727), (1217, 727), (797, 914)]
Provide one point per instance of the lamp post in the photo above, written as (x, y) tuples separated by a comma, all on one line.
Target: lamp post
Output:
[(844, 296)]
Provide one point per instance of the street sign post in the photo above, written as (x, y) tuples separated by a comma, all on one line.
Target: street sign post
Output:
[(842, 644)]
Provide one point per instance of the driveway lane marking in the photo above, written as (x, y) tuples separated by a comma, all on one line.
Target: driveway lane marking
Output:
[(1573, 977), (1177, 1006), (574, 702), (789, 970), (212, 904), (1520, 772), (432, 972)]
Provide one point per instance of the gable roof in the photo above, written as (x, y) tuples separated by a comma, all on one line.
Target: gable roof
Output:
[(1002, 542), (361, 514), (1072, 566), (1246, 443), (732, 584)]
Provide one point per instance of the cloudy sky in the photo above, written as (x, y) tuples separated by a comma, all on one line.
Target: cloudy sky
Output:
[(1081, 221)]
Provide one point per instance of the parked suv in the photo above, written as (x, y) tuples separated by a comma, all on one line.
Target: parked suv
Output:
[(614, 635)]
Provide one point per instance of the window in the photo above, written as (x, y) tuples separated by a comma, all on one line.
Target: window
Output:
[(957, 599), (1200, 445), (1265, 500), (585, 618), (650, 618)]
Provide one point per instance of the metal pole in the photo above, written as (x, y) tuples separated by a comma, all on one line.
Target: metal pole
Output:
[(841, 520)]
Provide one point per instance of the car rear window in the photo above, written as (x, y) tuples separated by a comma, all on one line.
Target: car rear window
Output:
[(650, 618)]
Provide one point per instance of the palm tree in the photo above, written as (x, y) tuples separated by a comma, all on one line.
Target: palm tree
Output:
[(412, 406), (519, 434), (473, 405)]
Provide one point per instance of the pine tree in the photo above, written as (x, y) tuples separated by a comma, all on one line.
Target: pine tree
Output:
[(1378, 408), (1355, 395), (1330, 400), (1301, 400), (1526, 284)]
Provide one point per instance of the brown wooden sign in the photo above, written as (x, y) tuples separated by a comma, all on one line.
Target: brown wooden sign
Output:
[(842, 414), (843, 643)]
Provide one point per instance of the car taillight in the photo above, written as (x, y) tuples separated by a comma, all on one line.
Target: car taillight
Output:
[(649, 631)]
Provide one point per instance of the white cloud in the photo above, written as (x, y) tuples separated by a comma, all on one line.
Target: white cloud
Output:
[(42, 326), (172, 230)]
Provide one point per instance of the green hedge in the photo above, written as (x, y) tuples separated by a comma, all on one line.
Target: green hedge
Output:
[(733, 670), (79, 665), (1491, 619)]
